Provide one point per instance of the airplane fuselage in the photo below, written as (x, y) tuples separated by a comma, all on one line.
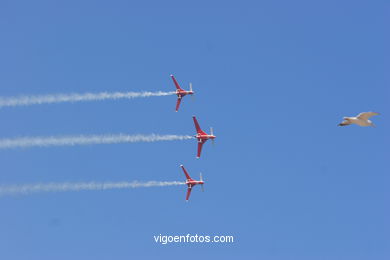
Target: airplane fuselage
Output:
[(203, 138), (192, 183), (182, 93)]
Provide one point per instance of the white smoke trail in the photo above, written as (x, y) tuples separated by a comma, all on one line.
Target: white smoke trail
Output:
[(61, 98), (6, 190), (25, 142)]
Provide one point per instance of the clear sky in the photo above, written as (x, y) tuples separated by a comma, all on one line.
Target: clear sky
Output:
[(274, 78)]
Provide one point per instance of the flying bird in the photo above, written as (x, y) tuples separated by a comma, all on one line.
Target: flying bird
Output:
[(362, 119)]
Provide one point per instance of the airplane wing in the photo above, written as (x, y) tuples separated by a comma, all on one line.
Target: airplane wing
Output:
[(178, 104), (198, 130), (188, 193), (186, 173), (367, 115), (176, 84), (200, 145)]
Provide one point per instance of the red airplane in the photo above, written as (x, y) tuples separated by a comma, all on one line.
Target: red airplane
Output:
[(181, 92), (202, 136), (191, 183)]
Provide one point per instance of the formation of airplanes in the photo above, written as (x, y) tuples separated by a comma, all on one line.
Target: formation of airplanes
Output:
[(362, 120), (201, 136)]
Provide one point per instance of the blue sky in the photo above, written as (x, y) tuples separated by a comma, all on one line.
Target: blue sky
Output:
[(274, 78)]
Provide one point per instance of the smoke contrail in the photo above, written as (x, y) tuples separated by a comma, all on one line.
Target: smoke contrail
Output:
[(25, 142), (61, 98), (80, 186)]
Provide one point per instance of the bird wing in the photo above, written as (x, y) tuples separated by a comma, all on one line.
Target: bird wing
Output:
[(345, 122), (366, 115)]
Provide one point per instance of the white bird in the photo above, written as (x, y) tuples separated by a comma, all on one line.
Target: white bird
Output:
[(361, 119)]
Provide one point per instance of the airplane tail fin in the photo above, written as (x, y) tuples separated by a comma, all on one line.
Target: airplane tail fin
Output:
[(201, 179), (192, 92), (212, 133)]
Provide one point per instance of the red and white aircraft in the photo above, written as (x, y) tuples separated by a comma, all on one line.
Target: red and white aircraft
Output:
[(181, 92), (202, 136), (191, 183)]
